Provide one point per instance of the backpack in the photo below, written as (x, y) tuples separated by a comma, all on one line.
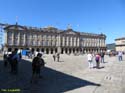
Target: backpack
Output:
[(37, 62), (42, 63)]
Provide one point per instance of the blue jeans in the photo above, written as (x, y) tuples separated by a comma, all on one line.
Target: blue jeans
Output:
[(120, 58)]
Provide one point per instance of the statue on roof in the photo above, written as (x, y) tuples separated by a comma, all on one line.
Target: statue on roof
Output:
[(69, 26)]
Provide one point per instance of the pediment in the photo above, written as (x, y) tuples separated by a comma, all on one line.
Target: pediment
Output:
[(70, 32), (14, 27)]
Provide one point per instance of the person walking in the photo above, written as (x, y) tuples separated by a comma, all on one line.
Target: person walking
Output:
[(102, 57), (97, 59), (37, 63), (120, 55), (14, 59), (90, 60), (58, 56), (54, 57)]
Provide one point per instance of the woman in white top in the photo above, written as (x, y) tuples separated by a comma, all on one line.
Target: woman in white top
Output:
[(90, 60)]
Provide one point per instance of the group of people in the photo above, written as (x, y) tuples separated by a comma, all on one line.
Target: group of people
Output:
[(98, 57), (57, 55), (38, 62), (12, 60)]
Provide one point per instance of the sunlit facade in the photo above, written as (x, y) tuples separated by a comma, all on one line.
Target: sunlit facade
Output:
[(52, 40), (120, 44)]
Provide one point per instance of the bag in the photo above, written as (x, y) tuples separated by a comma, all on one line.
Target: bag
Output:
[(37, 62), (42, 63)]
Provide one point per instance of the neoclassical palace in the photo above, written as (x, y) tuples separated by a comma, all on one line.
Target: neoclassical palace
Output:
[(52, 40)]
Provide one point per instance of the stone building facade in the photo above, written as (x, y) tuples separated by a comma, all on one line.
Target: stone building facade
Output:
[(52, 40), (120, 44)]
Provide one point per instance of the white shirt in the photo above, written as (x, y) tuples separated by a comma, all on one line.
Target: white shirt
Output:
[(119, 53), (89, 56)]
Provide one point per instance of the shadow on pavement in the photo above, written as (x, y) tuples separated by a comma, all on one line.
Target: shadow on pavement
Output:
[(52, 82), (105, 62), (99, 67)]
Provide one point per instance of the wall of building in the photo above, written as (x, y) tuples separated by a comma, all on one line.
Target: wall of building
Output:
[(120, 44), (50, 40), (1, 37)]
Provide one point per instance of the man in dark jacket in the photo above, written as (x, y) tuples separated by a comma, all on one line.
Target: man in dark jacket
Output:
[(37, 63), (102, 57)]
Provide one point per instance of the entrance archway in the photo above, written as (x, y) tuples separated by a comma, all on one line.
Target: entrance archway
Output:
[(56, 50), (73, 50), (47, 51), (37, 50), (51, 51), (62, 51), (42, 49), (66, 50), (70, 51), (9, 49)]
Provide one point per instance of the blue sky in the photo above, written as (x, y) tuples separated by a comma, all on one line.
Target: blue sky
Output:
[(94, 16)]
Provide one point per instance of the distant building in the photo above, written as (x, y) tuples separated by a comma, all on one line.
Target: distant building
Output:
[(111, 46), (51, 40), (120, 44)]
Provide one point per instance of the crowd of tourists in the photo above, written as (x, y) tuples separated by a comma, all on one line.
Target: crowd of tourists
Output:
[(99, 58), (13, 59)]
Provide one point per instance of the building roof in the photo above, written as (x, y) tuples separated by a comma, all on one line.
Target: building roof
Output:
[(53, 30), (122, 38)]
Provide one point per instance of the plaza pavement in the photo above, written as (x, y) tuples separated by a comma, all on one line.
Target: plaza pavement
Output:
[(70, 75)]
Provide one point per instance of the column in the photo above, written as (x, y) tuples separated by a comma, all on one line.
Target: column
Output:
[(91, 42), (12, 38), (71, 50), (63, 41), (96, 42), (78, 42), (54, 51), (75, 50), (45, 50), (49, 51), (67, 41), (74, 41), (104, 43), (71, 41), (59, 48), (59, 41), (68, 50), (64, 52), (25, 41), (100, 41), (18, 38)]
